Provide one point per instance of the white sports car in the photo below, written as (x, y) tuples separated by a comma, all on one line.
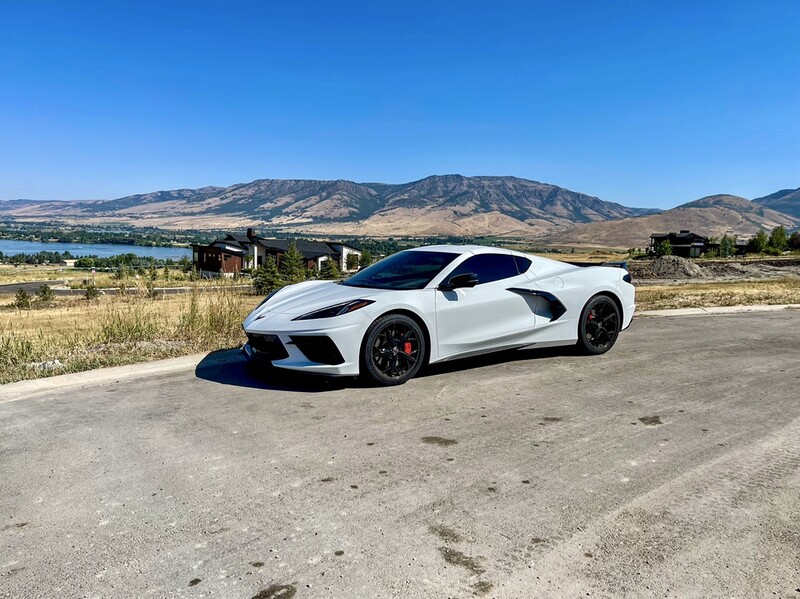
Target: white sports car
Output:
[(438, 303)]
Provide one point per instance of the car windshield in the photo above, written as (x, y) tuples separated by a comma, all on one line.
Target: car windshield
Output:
[(404, 270)]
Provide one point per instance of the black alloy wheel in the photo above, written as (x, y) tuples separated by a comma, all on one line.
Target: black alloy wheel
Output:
[(393, 350), (599, 325)]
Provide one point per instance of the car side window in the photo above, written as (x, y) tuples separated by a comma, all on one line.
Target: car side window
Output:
[(523, 264), (488, 267)]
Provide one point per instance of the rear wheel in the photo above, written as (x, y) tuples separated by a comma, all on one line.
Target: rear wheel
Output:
[(599, 325), (393, 350)]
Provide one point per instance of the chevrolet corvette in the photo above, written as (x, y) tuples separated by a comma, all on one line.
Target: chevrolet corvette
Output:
[(434, 304)]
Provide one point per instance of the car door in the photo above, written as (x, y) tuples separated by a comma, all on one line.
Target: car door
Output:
[(486, 316)]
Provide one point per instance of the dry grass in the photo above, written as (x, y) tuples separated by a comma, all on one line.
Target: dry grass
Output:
[(26, 273), (114, 330), (77, 278), (698, 295)]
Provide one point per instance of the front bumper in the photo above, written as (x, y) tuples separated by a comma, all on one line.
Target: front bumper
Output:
[(330, 351)]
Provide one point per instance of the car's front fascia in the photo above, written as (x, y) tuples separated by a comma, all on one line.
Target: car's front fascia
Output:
[(281, 317)]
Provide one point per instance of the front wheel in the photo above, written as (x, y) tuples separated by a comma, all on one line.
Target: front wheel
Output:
[(393, 350), (599, 325)]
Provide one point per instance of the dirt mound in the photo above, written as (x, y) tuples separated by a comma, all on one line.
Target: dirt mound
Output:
[(667, 267)]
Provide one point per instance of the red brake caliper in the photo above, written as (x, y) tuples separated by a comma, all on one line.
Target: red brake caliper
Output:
[(407, 347)]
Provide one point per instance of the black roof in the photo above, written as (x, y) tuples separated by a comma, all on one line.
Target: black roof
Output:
[(681, 237), (310, 250), (231, 247), (238, 238), (318, 248), (228, 245)]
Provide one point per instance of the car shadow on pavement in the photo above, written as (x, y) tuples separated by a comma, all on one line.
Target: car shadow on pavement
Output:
[(229, 367), (495, 358)]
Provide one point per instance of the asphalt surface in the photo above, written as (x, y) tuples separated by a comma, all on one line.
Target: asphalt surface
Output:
[(669, 467), (30, 287)]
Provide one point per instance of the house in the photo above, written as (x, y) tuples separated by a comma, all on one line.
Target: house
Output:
[(235, 252), (68, 262), (684, 243), (219, 257), (739, 247)]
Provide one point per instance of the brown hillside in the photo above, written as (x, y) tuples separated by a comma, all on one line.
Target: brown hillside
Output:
[(712, 216), (436, 205)]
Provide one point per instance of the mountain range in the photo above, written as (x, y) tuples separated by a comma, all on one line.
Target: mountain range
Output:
[(712, 216), (436, 205), (785, 200)]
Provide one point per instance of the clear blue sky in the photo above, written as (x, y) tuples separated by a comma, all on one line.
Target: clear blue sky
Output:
[(649, 104)]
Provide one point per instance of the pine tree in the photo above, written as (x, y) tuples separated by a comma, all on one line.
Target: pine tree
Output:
[(267, 278), (366, 259), (22, 299), (329, 270), (758, 243), (727, 246), (293, 266), (45, 294), (777, 239)]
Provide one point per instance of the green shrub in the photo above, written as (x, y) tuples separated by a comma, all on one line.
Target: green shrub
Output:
[(330, 270), (45, 294), (757, 243), (664, 248), (92, 293), (366, 259), (22, 300), (267, 278), (293, 265), (778, 239)]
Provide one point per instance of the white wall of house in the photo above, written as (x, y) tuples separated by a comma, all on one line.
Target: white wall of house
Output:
[(259, 255), (344, 252)]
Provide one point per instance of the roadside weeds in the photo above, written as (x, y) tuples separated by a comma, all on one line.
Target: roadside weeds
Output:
[(75, 335), (72, 334)]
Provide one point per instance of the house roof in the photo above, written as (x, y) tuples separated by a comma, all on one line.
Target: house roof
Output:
[(232, 247), (344, 245), (319, 248), (684, 237), (310, 250), (240, 239)]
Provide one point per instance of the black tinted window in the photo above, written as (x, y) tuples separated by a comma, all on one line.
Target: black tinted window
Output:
[(523, 264), (404, 270), (488, 267)]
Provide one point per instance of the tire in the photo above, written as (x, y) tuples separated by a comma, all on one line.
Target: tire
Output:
[(599, 325), (393, 350)]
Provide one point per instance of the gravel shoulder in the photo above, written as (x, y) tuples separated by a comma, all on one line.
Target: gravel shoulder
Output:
[(674, 270)]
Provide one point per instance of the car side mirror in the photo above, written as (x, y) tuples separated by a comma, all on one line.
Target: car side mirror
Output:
[(468, 279)]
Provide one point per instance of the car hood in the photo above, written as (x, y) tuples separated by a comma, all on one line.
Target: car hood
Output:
[(295, 300)]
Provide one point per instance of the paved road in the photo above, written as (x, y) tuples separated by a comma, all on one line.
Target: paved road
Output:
[(669, 467), (31, 287)]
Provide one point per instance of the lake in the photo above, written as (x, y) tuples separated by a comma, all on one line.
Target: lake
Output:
[(104, 250)]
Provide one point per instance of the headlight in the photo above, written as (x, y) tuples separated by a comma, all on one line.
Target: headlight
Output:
[(336, 310)]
